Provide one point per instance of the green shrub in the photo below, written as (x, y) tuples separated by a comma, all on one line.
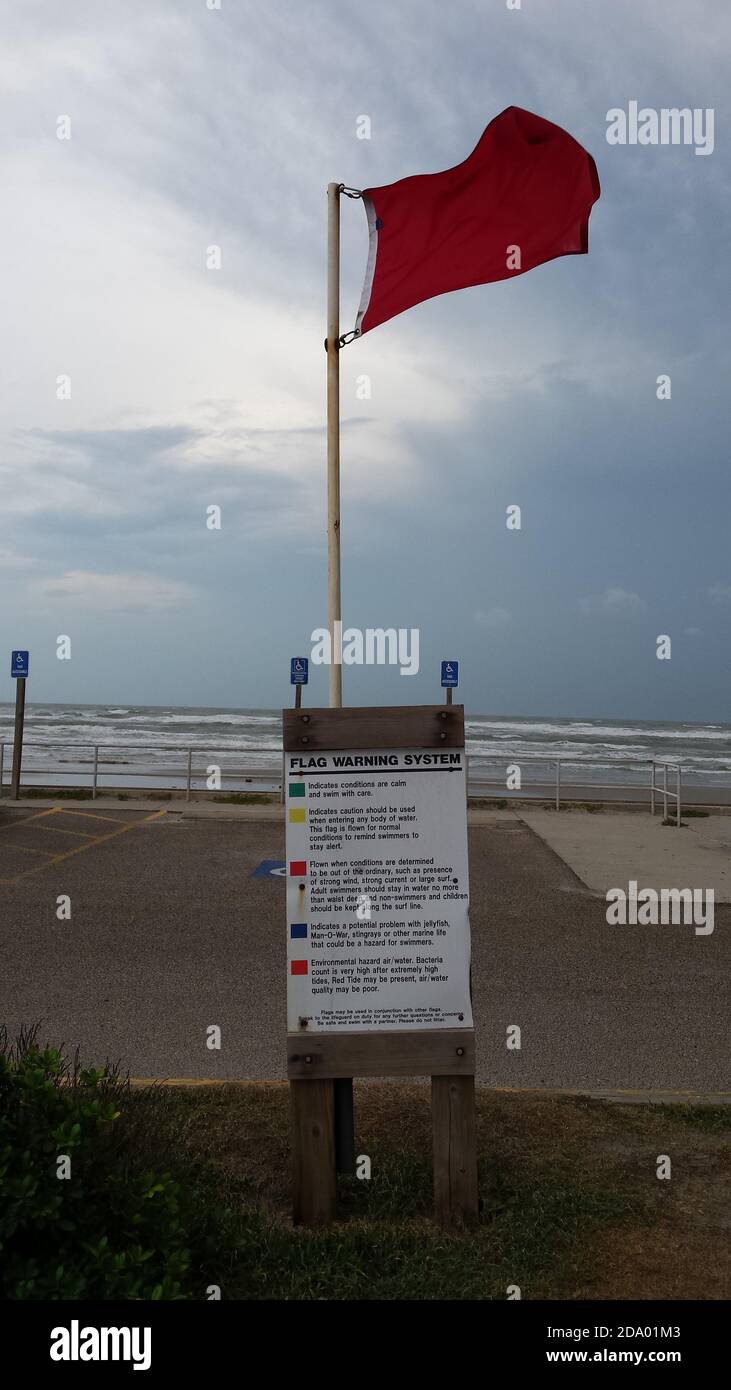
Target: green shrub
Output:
[(113, 1228)]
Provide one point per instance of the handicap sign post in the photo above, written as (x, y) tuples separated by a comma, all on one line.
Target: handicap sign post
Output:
[(19, 665), (298, 676), (450, 677)]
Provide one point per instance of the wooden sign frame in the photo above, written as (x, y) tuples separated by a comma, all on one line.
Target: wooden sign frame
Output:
[(314, 1062)]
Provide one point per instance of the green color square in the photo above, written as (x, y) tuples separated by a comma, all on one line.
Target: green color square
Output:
[(296, 788)]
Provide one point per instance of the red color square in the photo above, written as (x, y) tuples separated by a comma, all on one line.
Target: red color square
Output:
[(298, 868), (298, 967)]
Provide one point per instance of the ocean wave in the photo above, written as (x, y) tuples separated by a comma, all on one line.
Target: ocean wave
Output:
[(648, 732), (234, 719), (159, 736)]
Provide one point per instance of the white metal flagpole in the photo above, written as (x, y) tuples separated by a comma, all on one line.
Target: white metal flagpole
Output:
[(333, 442), (342, 1086)]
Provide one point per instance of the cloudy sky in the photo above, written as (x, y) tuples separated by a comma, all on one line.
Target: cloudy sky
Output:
[(193, 387)]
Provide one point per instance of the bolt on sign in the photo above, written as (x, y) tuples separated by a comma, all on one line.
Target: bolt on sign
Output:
[(377, 890)]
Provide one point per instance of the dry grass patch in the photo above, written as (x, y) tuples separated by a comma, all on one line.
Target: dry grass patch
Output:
[(571, 1206)]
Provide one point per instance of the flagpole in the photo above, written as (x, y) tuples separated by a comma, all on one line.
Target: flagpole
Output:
[(333, 439), (342, 1086)]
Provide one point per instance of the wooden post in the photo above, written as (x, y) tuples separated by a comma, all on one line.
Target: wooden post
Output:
[(313, 1152), (448, 1055), (455, 1150), (18, 737)]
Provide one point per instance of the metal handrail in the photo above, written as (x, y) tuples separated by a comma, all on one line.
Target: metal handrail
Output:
[(152, 747), (270, 773), (248, 773), (667, 791)]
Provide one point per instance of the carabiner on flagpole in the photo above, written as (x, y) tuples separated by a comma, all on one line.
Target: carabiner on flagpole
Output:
[(344, 338), (350, 192)]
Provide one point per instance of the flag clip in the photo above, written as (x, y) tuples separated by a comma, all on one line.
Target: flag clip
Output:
[(350, 192), (348, 337)]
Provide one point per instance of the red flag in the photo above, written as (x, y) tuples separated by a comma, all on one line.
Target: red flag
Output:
[(522, 197)]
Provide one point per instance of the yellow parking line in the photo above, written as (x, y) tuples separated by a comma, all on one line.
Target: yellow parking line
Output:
[(24, 850), (201, 1081), (80, 849), (61, 811), (24, 820), (600, 1092), (89, 815), (548, 1092), (78, 834), (541, 1091)]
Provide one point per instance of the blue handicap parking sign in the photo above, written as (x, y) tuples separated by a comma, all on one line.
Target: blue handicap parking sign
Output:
[(450, 673), (299, 670), (269, 868), (19, 663)]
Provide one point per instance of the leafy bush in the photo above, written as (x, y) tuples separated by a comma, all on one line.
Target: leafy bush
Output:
[(113, 1228)]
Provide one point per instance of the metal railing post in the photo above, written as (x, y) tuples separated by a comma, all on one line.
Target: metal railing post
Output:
[(478, 785)]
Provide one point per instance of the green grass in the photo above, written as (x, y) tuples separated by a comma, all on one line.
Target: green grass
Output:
[(570, 1204), (390, 1257), (244, 798), (712, 1119), (567, 1188), (57, 793)]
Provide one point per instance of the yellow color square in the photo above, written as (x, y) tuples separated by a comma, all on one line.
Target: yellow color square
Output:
[(297, 815)]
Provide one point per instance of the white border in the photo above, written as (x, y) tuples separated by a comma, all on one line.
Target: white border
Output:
[(370, 271)]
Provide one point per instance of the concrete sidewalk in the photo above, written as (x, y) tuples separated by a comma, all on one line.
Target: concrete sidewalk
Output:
[(606, 851)]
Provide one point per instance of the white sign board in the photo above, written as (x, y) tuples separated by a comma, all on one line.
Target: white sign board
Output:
[(378, 931)]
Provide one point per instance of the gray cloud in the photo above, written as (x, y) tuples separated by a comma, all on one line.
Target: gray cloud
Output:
[(614, 602), (190, 387)]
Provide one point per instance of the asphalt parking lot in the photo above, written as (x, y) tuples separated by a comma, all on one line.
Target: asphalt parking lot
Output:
[(172, 929)]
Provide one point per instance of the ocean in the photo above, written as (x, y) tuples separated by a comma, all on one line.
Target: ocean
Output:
[(149, 745)]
